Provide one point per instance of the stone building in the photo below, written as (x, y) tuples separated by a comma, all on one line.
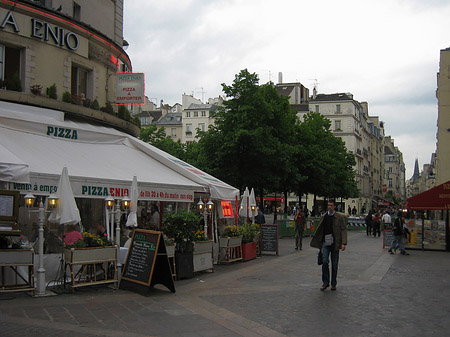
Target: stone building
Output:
[(443, 123)]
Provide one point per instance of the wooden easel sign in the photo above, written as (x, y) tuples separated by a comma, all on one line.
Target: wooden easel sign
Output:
[(269, 238), (147, 263)]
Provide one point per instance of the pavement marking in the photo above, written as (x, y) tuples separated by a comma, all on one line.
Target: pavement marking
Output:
[(68, 327), (226, 318), (376, 272)]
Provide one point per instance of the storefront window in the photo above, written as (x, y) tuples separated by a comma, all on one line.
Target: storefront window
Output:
[(10, 74), (80, 78)]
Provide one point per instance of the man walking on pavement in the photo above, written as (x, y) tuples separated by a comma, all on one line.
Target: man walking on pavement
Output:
[(330, 237), (299, 226), (399, 235)]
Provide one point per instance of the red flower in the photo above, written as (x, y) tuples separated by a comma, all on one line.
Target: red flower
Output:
[(105, 234)]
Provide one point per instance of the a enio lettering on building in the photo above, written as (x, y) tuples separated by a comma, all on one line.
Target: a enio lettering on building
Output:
[(44, 31)]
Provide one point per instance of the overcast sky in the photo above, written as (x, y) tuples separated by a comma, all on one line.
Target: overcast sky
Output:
[(384, 52)]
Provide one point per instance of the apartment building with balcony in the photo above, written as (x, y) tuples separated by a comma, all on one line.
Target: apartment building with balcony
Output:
[(394, 170), (362, 135)]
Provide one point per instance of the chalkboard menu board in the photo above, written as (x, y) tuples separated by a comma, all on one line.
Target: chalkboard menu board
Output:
[(141, 257), (147, 263), (388, 235), (269, 238)]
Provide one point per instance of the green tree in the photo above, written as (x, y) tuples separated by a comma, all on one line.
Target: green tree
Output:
[(151, 134), (251, 143), (157, 137), (324, 160)]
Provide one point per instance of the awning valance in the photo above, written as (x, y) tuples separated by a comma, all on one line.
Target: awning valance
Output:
[(436, 198)]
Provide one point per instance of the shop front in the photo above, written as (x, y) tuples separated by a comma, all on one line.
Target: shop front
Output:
[(428, 219)]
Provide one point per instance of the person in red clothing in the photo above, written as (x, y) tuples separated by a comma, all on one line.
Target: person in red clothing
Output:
[(376, 224), (71, 235)]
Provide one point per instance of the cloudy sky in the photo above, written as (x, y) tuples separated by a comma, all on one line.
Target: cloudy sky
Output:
[(384, 52)]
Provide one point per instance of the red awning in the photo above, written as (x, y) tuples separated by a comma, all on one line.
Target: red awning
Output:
[(281, 199), (435, 198)]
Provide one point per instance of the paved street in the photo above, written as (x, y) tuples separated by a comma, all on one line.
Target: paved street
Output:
[(378, 295)]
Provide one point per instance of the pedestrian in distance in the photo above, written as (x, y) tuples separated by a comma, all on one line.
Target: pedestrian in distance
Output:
[(299, 227), (354, 211), (376, 225), (330, 238), (349, 210), (260, 218), (400, 231), (386, 220), (368, 220)]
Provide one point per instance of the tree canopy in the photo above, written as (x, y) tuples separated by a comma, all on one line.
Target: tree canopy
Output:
[(258, 141), (251, 143)]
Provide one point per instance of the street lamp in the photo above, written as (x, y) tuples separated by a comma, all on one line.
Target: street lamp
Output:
[(52, 202), (29, 200), (206, 210)]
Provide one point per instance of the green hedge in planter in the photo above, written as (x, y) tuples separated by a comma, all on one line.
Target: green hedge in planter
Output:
[(249, 232), (182, 228)]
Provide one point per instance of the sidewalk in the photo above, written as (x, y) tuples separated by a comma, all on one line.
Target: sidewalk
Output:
[(378, 295)]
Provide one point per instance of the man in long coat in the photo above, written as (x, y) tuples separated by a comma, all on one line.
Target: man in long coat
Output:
[(330, 237)]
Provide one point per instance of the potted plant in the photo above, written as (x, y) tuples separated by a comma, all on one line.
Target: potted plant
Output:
[(230, 242), (170, 246), (250, 234), (203, 251), (92, 253), (182, 228)]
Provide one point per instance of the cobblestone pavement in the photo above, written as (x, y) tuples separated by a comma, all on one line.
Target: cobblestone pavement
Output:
[(377, 295)]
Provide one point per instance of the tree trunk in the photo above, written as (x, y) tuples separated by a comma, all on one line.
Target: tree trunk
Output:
[(285, 202)]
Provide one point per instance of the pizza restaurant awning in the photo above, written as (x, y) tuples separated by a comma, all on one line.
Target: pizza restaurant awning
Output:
[(436, 198), (36, 143)]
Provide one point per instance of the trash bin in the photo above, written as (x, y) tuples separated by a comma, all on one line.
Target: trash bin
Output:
[(286, 227)]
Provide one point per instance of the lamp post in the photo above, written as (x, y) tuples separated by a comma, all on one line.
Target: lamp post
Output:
[(40, 276), (253, 208), (205, 210), (110, 206), (115, 211)]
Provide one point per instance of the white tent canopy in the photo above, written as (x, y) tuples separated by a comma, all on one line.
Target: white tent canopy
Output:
[(101, 160)]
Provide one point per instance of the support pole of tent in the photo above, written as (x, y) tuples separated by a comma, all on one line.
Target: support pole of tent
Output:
[(247, 210), (40, 289), (236, 212), (119, 265)]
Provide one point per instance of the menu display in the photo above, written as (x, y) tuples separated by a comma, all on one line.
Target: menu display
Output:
[(269, 238), (141, 257)]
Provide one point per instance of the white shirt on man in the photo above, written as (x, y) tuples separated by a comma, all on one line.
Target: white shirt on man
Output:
[(386, 218)]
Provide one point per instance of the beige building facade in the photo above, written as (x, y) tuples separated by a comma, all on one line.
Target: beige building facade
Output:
[(394, 170), (54, 45), (443, 123), (362, 135)]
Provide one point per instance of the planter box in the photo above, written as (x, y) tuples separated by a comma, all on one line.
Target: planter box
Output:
[(203, 255), (16, 257), (248, 251), (170, 249), (230, 249), (184, 265), (90, 255), (230, 241), (98, 265), (16, 270)]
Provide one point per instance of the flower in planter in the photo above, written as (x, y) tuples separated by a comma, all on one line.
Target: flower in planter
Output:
[(231, 230), (91, 240), (200, 236), (169, 241)]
